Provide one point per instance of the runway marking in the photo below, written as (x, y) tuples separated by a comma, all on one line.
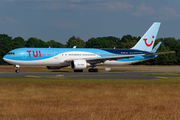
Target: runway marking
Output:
[(33, 76), (84, 75), (162, 77), (59, 75)]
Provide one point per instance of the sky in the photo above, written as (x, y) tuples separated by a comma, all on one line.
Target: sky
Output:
[(59, 20)]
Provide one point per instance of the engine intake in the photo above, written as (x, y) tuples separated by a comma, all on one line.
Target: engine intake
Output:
[(78, 64)]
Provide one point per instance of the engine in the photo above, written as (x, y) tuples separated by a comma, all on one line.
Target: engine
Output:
[(53, 67), (78, 64)]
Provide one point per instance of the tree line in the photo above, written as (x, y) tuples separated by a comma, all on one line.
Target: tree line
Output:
[(8, 43)]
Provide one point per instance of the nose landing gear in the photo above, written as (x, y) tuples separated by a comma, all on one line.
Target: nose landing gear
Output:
[(17, 68)]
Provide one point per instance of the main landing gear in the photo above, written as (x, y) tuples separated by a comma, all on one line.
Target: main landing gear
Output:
[(93, 69), (16, 68)]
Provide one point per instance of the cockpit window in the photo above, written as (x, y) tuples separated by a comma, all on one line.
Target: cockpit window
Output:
[(11, 53)]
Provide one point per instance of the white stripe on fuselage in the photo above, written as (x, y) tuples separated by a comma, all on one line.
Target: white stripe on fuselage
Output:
[(51, 62), (55, 60)]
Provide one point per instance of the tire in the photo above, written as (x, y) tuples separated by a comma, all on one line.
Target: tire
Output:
[(90, 70), (93, 70), (17, 71)]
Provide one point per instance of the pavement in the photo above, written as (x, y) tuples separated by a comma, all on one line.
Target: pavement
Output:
[(83, 75)]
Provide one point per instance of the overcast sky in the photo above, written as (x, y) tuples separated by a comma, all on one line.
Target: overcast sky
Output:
[(61, 19)]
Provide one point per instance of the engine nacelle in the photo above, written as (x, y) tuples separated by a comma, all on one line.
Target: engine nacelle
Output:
[(78, 64), (53, 67)]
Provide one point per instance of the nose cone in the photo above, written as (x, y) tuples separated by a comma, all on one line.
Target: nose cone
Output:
[(8, 59), (4, 58)]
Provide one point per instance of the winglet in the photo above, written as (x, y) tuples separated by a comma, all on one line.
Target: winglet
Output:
[(156, 47)]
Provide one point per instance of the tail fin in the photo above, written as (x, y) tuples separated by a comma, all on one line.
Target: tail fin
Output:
[(147, 41)]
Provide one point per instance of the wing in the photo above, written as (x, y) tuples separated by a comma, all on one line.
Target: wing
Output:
[(102, 59)]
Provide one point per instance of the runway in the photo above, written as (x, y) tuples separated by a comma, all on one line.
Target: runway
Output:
[(83, 75)]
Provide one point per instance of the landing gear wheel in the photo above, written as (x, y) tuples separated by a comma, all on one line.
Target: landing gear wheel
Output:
[(93, 70), (16, 68), (17, 71), (90, 70)]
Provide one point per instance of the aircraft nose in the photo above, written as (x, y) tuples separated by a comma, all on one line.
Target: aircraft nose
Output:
[(4, 58)]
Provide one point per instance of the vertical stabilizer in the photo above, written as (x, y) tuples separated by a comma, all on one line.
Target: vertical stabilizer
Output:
[(148, 39)]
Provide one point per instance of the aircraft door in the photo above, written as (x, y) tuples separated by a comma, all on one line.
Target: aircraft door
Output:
[(98, 54), (55, 55), (24, 55)]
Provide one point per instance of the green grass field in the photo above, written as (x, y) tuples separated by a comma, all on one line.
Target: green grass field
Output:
[(92, 99)]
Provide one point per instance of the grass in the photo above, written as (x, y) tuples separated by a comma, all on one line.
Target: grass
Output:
[(92, 99)]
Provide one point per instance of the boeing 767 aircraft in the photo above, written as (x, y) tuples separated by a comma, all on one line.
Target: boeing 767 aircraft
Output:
[(82, 58)]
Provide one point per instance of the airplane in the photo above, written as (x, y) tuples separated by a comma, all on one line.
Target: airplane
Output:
[(81, 58)]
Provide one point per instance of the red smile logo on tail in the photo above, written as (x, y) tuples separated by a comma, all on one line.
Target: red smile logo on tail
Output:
[(145, 40)]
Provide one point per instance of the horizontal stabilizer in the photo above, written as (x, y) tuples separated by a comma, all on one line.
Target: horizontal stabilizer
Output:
[(159, 53), (156, 48)]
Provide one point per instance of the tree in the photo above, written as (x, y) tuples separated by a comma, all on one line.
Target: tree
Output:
[(73, 41), (102, 42), (127, 41), (17, 42), (96, 43), (5, 46), (54, 44), (112, 41), (34, 42)]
